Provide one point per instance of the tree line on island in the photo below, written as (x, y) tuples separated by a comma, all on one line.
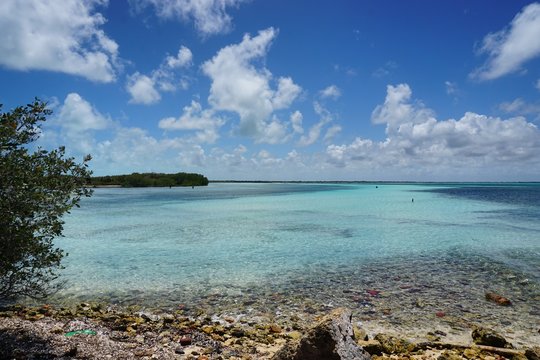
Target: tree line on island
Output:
[(150, 180)]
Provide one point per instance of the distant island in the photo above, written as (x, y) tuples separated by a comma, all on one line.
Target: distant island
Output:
[(149, 180)]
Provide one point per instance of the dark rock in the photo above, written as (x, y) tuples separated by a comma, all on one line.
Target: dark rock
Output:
[(533, 354), (331, 339), (498, 299), (483, 336), (179, 350), (238, 332), (185, 340)]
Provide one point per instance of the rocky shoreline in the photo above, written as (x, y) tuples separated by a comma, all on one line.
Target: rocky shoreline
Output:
[(102, 331)]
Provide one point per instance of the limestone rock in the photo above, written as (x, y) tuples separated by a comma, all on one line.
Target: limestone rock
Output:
[(484, 336), (393, 345), (331, 339)]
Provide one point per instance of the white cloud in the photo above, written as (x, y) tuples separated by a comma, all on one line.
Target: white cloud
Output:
[(332, 92), (475, 145), (142, 89), (296, 122), (510, 48), (240, 87), (76, 120), (332, 132), (195, 118), (397, 109), (210, 16), (62, 36), (183, 59), (520, 107), (78, 115), (315, 131), (286, 92)]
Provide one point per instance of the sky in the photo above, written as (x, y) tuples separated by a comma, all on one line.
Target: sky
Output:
[(387, 90)]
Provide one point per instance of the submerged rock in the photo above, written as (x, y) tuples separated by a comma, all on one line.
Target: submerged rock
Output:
[(484, 336), (498, 299), (331, 339)]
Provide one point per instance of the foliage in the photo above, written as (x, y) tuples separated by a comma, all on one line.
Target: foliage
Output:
[(151, 179), (36, 189)]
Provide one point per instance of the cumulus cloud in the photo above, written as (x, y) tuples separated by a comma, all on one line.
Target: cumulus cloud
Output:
[(78, 115), (238, 86), (142, 89), (204, 122), (509, 48), (74, 123), (62, 36), (209, 16), (418, 140), (183, 59), (332, 92), (145, 89), (397, 109)]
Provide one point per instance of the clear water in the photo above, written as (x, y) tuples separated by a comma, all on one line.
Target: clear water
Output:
[(310, 246)]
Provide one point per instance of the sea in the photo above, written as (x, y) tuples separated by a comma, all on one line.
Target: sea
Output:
[(402, 256)]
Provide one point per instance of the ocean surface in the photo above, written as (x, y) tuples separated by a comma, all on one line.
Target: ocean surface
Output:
[(404, 255)]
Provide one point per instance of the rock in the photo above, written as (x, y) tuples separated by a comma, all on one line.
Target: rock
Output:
[(373, 347), (470, 353), (295, 335), (275, 329), (167, 318), (484, 336), (149, 317), (238, 332), (360, 334), (179, 350), (331, 339), (498, 299), (185, 340), (393, 345), (533, 354), (449, 355)]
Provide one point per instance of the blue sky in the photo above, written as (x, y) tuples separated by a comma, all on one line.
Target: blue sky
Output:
[(283, 90)]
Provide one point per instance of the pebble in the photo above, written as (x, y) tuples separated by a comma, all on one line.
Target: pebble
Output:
[(185, 340)]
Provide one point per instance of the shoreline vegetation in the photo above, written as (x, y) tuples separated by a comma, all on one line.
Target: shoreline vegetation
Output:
[(149, 180), (98, 331)]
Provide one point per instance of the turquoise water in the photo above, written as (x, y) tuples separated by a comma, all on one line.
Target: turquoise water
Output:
[(237, 245)]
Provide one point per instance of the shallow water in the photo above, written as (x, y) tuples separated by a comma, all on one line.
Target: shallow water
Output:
[(304, 248)]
